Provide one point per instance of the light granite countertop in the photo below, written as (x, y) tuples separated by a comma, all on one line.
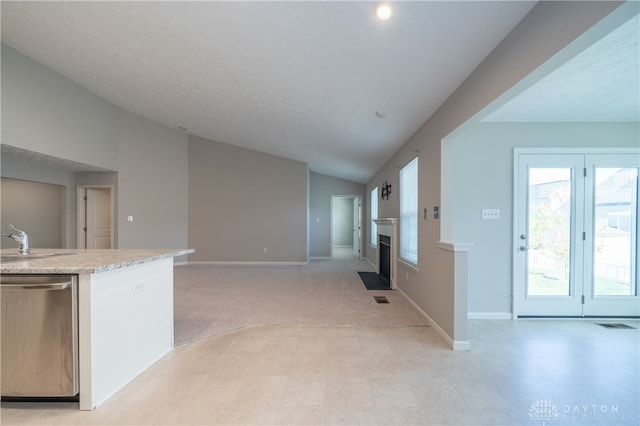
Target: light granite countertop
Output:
[(72, 261)]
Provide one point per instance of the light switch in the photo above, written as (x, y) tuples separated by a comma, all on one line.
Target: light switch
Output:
[(491, 213), (129, 218)]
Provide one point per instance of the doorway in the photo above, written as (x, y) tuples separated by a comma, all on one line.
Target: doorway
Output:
[(346, 226), (576, 234), (95, 217)]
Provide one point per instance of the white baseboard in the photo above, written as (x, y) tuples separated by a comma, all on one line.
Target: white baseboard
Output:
[(490, 315), (211, 262), (456, 345), (320, 258), (182, 263), (371, 263)]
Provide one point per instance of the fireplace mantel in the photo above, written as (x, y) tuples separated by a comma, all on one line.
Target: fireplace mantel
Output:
[(389, 226)]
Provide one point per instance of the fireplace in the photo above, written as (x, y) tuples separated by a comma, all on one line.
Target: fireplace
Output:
[(384, 244), (387, 248)]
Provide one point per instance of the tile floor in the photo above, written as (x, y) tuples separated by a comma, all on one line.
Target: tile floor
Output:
[(303, 369), (518, 373)]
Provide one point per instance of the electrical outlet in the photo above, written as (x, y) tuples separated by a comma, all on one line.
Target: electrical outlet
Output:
[(264, 249), (491, 213)]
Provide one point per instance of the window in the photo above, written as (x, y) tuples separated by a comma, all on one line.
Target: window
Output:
[(409, 212), (374, 215)]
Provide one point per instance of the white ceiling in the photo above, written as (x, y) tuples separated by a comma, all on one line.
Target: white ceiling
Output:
[(602, 83), (302, 80)]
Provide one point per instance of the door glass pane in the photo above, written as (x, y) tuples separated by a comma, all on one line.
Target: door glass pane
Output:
[(615, 233), (549, 232)]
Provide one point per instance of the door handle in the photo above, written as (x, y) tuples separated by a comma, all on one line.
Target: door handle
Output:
[(524, 248), (49, 286)]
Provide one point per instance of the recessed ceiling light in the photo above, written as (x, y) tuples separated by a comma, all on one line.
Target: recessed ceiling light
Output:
[(384, 11)]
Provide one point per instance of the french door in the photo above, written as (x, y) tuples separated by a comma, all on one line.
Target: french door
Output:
[(576, 234)]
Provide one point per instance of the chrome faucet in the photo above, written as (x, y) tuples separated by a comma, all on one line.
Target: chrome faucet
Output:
[(20, 237)]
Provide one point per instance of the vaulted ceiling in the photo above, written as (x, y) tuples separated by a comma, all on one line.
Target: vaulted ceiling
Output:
[(321, 82), (601, 83)]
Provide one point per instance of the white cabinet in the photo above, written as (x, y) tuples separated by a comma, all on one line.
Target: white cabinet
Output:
[(126, 324)]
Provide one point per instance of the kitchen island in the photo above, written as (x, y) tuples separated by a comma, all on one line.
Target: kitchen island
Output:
[(125, 310)]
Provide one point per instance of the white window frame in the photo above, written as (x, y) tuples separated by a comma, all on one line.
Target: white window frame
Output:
[(373, 240), (408, 231)]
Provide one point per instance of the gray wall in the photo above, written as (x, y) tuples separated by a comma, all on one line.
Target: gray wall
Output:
[(153, 184), (547, 29), (17, 167), (36, 208), (242, 201), (46, 113), (482, 178), (151, 164), (323, 187), (386, 207)]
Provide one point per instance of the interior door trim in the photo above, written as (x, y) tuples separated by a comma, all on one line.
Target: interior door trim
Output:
[(81, 212)]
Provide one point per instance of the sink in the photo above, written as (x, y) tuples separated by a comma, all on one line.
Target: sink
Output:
[(31, 256)]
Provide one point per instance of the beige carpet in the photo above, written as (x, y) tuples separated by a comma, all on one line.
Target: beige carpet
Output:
[(211, 299)]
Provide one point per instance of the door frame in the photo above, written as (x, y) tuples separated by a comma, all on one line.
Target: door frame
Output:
[(81, 210), (360, 214), (515, 282), (357, 217)]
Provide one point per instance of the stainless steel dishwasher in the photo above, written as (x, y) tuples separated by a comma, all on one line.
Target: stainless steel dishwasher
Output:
[(39, 336)]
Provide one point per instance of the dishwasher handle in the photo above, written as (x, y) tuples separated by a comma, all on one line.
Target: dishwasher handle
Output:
[(49, 286)]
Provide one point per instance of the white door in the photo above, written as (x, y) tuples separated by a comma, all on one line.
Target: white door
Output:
[(576, 235), (95, 219), (611, 248), (357, 226), (550, 187)]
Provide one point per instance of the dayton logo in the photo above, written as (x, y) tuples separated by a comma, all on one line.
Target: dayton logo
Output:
[(543, 411)]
